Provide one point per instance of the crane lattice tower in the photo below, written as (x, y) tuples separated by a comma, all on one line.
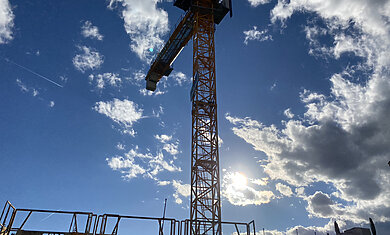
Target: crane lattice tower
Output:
[(199, 23)]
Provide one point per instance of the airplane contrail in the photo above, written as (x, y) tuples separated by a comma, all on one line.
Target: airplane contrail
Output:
[(49, 216), (29, 70)]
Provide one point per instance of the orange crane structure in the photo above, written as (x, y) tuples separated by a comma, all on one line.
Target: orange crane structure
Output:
[(199, 24)]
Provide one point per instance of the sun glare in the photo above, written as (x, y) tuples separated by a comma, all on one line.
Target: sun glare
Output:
[(239, 180)]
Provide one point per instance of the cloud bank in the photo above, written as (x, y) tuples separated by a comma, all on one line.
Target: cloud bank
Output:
[(342, 139), (6, 21)]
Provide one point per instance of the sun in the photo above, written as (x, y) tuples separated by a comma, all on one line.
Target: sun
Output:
[(239, 180)]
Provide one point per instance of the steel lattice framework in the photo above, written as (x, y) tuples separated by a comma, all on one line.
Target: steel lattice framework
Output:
[(205, 215), (199, 23)]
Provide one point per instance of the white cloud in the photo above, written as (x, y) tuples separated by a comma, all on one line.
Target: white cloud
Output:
[(171, 148), (159, 112), (158, 164), (24, 88), (368, 35), (124, 112), (163, 182), (273, 86), (300, 191), (179, 78), (178, 200), (255, 3), (343, 136), (133, 164), (120, 146), (35, 92), (89, 60), (261, 182), (367, 13), (181, 189), (313, 33), (91, 31), (284, 189), (6, 21), (51, 104), (145, 23), (145, 92), (127, 166), (163, 138), (345, 140), (310, 230), (240, 194), (175, 79), (64, 79), (101, 80), (138, 78), (220, 141), (301, 155), (254, 34), (288, 113), (320, 204)]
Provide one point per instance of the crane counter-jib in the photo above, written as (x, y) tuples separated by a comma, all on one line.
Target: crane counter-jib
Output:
[(161, 66)]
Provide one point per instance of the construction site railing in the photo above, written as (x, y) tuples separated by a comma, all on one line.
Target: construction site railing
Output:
[(6, 217), (174, 225), (186, 225), (97, 225), (7, 228)]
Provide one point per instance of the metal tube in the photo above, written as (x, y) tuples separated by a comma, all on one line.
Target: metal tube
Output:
[(105, 224), (27, 217), (6, 215), (238, 231), (71, 223), (159, 228), (75, 222), (57, 212), (2, 212), (11, 221)]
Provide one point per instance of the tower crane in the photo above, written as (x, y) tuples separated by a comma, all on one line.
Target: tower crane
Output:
[(198, 23)]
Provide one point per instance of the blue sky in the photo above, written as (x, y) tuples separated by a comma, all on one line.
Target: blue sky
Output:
[(303, 103)]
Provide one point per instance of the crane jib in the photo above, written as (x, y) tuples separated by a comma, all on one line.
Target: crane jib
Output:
[(161, 66)]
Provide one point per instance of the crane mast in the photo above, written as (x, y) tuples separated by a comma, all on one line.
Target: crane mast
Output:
[(205, 183), (199, 23)]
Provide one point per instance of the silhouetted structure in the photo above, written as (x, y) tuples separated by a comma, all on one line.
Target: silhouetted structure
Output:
[(336, 228), (372, 225), (356, 230)]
